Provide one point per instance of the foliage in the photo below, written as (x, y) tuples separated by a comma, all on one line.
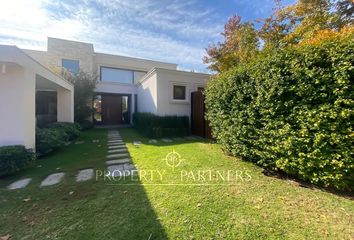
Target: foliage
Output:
[(14, 158), (240, 44), (55, 136), (84, 86), (286, 26), (71, 130), (161, 126), (86, 125), (292, 110)]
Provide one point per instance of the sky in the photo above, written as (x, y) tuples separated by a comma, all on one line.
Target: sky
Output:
[(176, 31)]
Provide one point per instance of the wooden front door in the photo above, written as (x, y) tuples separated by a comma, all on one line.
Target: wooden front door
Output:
[(200, 125), (111, 109)]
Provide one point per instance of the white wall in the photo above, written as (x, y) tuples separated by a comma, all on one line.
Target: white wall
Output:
[(165, 80), (147, 94), (17, 105)]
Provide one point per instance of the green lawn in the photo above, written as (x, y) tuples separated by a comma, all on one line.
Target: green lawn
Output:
[(178, 206)]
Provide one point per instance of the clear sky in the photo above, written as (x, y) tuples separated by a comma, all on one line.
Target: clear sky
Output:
[(176, 31)]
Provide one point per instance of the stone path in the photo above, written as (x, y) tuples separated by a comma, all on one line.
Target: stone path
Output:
[(118, 163), (19, 184), (84, 175), (52, 179)]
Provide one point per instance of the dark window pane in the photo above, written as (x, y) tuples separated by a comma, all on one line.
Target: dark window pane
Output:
[(179, 92), (71, 66)]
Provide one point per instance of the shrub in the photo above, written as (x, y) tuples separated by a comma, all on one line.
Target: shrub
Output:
[(86, 125), (161, 126), (71, 130), (49, 139), (291, 111), (14, 158)]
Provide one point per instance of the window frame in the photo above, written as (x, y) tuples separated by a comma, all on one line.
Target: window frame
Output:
[(186, 99)]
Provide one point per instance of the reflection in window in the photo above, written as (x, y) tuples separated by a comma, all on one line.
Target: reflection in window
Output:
[(118, 75), (46, 107), (179, 92), (97, 106), (71, 66), (125, 109)]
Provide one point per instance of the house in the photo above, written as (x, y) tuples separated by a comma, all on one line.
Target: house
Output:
[(32, 88)]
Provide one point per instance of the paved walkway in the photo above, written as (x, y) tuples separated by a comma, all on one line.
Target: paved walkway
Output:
[(118, 163)]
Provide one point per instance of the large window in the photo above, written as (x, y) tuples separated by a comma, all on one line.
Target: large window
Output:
[(179, 92), (71, 66), (118, 75)]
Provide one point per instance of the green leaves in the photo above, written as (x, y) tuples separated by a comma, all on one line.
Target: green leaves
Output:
[(292, 110)]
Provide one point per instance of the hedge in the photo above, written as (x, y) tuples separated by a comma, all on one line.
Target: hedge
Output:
[(55, 136), (14, 158), (155, 126), (291, 111)]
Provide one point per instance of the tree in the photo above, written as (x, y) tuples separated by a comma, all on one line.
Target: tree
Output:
[(345, 11), (84, 86), (240, 44)]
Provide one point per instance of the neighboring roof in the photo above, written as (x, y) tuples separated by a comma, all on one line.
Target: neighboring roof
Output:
[(14, 54)]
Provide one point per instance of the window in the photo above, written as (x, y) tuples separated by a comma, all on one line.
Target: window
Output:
[(118, 75), (179, 92), (71, 66)]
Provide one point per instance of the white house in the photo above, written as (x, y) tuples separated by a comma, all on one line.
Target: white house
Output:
[(32, 89)]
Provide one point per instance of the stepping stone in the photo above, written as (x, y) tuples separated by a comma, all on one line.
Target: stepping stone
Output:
[(118, 155), (118, 161), (123, 150), (115, 141), (152, 141), (19, 184), (136, 143), (120, 146), (129, 166), (116, 144), (84, 175), (95, 141), (167, 140), (52, 179), (115, 170)]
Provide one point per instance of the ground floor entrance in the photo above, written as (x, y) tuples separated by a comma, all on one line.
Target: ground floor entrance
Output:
[(111, 109)]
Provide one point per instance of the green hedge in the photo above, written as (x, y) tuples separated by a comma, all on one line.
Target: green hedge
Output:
[(15, 158), (291, 111), (55, 136), (161, 126)]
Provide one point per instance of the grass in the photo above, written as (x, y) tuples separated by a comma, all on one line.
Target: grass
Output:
[(178, 205)]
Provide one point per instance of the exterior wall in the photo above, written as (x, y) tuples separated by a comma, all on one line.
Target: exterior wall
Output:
[(17, 103), (165, 80), (147, 94)]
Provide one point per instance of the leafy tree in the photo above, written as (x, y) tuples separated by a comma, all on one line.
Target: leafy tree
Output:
[(84, 86), (241, 44), (345, 11)]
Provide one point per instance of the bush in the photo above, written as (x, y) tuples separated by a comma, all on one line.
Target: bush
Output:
[(14, 158), (291, 111), (55, 136), (72, 130), (49, 139), (86, 125), (161, 126)]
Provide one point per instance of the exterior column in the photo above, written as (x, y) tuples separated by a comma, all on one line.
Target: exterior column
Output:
[(65, 101)]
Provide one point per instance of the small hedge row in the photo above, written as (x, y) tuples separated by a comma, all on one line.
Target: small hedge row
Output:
[(161, 126), (15, 158), (291, 111), (55, 136)]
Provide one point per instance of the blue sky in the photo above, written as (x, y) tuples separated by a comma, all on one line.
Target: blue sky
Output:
[(175, 31)]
